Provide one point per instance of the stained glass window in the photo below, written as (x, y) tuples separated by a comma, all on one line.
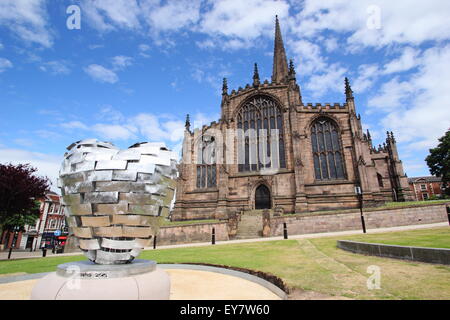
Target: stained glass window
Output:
[(327, 150), (261, 138)]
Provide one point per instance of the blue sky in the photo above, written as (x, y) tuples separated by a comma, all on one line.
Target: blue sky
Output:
[(136, 68)]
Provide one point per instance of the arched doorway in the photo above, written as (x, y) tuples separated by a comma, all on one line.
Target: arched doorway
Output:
[(262, 198)]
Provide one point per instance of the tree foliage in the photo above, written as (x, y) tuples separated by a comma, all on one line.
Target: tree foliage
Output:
[(439, 160), (21, 220), (19, 189)]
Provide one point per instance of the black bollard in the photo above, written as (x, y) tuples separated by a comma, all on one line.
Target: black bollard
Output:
[(44, 252), (154, 242), (285, 230), (213, 237), (448, 214), (363, 224), (9, 254)]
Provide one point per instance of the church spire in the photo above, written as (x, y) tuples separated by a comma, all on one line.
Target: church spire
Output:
[(280, 66)]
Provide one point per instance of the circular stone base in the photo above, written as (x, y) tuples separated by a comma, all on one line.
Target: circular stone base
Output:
[(84, 280)]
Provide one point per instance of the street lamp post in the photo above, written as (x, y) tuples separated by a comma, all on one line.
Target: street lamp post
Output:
[(359, 193), (13, 243)]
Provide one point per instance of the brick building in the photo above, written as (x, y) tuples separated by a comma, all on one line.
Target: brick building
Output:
[(51, 219), (425, 188), (271, 150)]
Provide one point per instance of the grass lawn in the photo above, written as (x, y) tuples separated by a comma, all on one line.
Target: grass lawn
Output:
[(308, 265), (430, 238)]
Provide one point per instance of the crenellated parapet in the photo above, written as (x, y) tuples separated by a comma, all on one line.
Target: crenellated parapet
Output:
[(325, 106)]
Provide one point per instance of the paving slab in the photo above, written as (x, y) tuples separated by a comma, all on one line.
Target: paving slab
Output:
[(186, 284)]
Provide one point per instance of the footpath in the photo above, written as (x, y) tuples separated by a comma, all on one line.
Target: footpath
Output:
[(38, 254)]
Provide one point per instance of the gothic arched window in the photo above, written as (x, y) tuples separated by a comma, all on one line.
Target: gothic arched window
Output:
[(206, 164), (260, 135), (327, 150)]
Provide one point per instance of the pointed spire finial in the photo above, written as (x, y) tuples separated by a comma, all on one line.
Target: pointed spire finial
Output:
[(256, 76), (348, 89), (280, 66), (225, 86), (291, 69), (188, 123)]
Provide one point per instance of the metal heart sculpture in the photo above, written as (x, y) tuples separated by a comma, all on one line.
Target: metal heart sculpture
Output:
[(114, 197)]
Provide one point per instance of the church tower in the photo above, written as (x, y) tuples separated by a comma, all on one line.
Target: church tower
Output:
[(269, 150)]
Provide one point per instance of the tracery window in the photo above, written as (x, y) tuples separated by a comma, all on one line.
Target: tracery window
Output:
[(206, 167), (327, 150), (260, 135)]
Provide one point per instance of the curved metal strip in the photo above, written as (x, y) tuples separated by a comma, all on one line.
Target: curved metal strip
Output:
[(91, 244), (118, 244)]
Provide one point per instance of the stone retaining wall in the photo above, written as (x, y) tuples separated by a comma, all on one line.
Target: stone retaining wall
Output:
[(192, 233), (311, 224), (352, 220), (429, 255)]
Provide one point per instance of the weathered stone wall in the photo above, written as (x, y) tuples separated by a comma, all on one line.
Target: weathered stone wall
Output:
[(352, 221), (429, 255), (192, 233)]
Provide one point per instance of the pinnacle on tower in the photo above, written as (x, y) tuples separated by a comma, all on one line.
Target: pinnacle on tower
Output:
[(225, 86), (280, 66), (256, 76), (188, 123), (291, 69), (348, 89)]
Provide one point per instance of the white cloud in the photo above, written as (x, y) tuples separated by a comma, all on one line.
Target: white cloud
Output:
[(101, 74), (55, 67), (324, 82), (27, 19), (121, 62), (309, 56), (107, 15), (242, 19), (418, 107), (5, 64), (143, 50), (331, 44), (411, 22), (407, 61), (47, 165), (367, 75), (74, 125), (24, 142), (171, 16), (114, 131)]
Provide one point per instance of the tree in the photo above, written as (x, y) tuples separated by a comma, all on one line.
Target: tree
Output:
[(21, 220), (19, 190), (439, 161)]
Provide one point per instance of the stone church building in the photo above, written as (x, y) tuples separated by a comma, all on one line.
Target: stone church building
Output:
[(270, 150)]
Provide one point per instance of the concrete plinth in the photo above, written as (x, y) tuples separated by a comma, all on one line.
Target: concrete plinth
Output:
[(85, 280)]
